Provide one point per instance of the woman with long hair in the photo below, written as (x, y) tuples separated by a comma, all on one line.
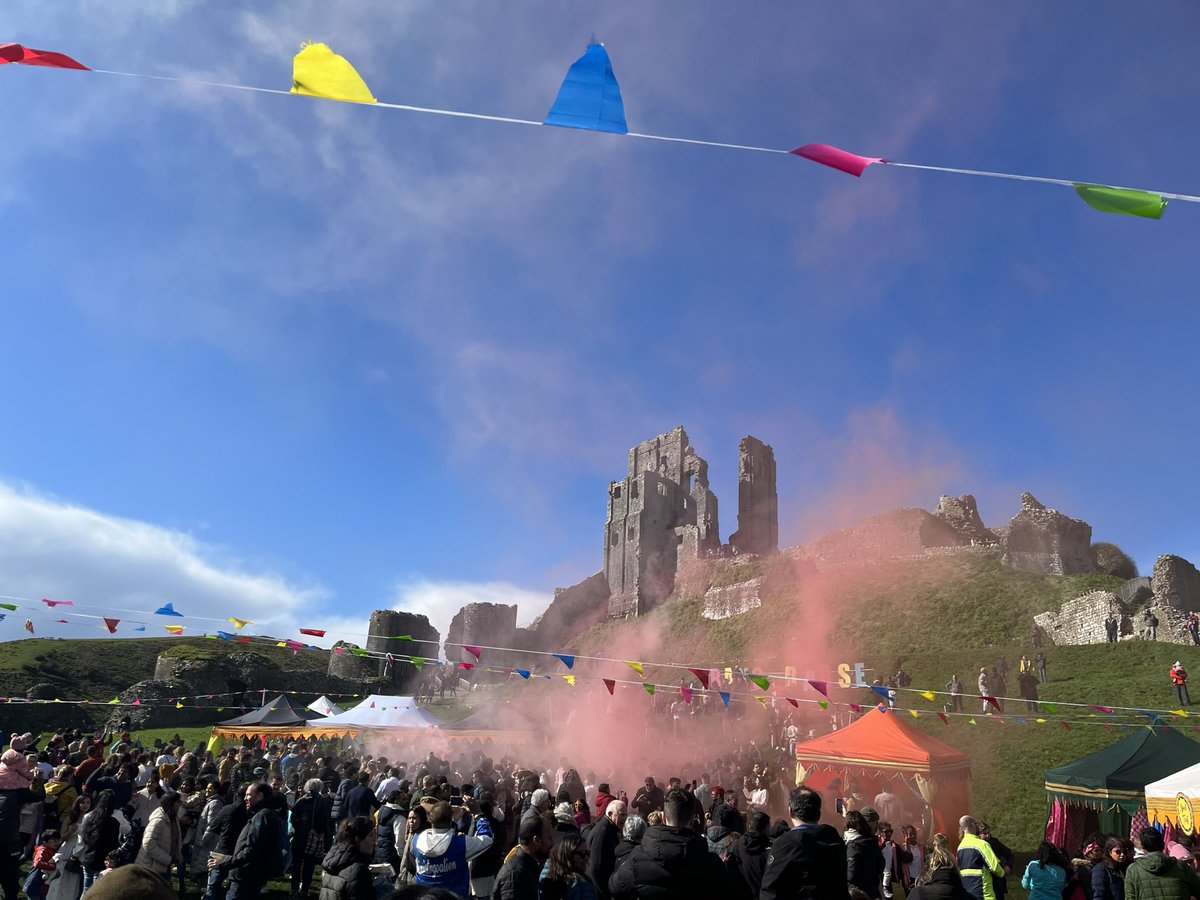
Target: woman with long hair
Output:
[(346, 868), (1108, 876), (864, 858), (416, 822), (100, 835), (311, 828), (1046, 875), (940, 879), (67, 882), (564, 877), (162, 841)]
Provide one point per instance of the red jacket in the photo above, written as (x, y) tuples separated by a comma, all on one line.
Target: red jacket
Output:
[(602, 800), (1178, 676)]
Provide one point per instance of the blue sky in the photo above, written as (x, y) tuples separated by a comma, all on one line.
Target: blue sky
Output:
[(296, 360)]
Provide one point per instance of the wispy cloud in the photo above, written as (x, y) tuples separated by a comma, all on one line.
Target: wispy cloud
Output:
[(440, 600)]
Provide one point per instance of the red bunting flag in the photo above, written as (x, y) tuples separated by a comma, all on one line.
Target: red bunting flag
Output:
[(836, 158), (795, 703), (701, 675), (111, 624), (991, 701), (686, 693), (313, 632), (16, 53), (477, 652), (821, 687), (945, 719), (854, 707), (611, 683), (467, 666), (1066, 725)]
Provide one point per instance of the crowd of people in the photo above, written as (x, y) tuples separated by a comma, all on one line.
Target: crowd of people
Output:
[(104, 816)]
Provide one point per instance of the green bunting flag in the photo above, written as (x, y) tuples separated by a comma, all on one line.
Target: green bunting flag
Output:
[(649, 688), (762, 681), (1122, 200)]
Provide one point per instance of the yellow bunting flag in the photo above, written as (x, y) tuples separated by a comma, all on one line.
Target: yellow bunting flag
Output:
[(914, 713), (637, 667), (178, 705), (239, 624), (1179, 712), (174, 629), (569, 679), (114, 701), (929, 695), (319, 72), (971, 721), (1040, 721), (762, 700)]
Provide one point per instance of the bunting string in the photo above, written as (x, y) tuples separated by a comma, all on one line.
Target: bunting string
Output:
[(590, 99)]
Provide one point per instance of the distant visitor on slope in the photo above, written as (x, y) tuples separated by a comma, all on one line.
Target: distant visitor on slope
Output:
[(1179, 678)]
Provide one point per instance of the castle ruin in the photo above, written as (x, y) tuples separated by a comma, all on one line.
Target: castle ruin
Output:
[(663, 512)]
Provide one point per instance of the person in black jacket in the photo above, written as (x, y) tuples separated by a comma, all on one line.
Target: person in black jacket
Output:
[(631, 839), (673, 862), (602, 842), (312, 834), (346, 868), (864, 859), (485, 866), (11, 801), (252, 864), (748, 856), (809, 861), (518, 877)]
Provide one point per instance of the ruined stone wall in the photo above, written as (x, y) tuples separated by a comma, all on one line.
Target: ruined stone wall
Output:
[(726, 602), (1176, 584), (899, 533), (573, 611), (1046, 542), (397, 676), (758, 500), (962, 514), (487, 624), (1081, 621)]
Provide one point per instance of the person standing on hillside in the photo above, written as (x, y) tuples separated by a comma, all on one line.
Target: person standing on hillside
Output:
[(1040, 662), (955, 687), (1193, 627), (1028, 683), (1110, 629), (985, 686), (1179, 678)]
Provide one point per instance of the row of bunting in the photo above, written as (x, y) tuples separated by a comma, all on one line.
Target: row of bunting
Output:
[(590, 99), (704, 675)]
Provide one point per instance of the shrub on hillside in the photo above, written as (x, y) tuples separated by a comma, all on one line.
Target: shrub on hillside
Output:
[(1112, 560)]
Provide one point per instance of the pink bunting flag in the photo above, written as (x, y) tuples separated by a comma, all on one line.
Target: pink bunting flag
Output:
[(854, 707), (137, 701), (293, 645), (477, 652), (16, 53), (611, 683), (338, 651), (821, 687), (111, 624), (1103, 709), (467, 666), (836, 158), (701, 675), (54, 603), (686, 693)]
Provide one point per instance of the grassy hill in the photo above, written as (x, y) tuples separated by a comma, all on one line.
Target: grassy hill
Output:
[(935, 617)]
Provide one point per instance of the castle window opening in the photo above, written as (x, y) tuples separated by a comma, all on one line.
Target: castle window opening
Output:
[(616, 537), (633, 490), (631, 533), (616, 492), (662, 490)]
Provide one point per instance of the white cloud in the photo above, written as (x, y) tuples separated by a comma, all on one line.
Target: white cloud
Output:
[(440, 600), (49, 548)]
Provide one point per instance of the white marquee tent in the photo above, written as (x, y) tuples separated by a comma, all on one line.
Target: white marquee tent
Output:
[(325, 707), (379, 711), (1175, 800)]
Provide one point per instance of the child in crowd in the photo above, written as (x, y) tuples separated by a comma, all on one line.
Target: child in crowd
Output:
[(36, 885), (15, 771)]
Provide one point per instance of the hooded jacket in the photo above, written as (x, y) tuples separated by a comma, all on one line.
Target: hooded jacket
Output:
[(346, 874), (1157, 876), (748, 860), (603, 798), (442, 856), (864, 862), (809, 863), (672, 863), (61, 795), (943, 884)]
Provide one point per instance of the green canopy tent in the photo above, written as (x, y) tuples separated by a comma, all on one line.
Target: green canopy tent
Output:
[(1104, 790)]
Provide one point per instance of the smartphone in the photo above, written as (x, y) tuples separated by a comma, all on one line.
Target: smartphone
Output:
[(455, 800), (840, 807)]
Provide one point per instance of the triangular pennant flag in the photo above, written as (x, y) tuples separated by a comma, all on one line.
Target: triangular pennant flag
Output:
[(1122, 200), (402, 637), (1106, 725), (686, 693), (114, 701), (319, 72), (568, 661), (609, 683), (54, 603), (226, 636), (524, 673), (590, 97), (174, 629), (637, 667), (137, 701), (470, 666), (313, 632), (2, 615), (991, 701), (16, 53), (854, 707), (702, 676), (836, 158), (945, 718), (762, 681), (140, 628), (724, 695), (62, 621), (763, 701), (239, 624), (569, 679), (971, 721), (1049, 707), (821, 687), (929, 695), (1179, 712), (649, 689), (1019, 720), (372, 706), (824, 704), (880, 690), (358, 651), (795, 703), (293, 645), (1103, 709), (418, 662), (914, 713), (167, 609), (11, 607), (477, 652), (1040, 721), (111, 624), (178, 705), (1066, 725)]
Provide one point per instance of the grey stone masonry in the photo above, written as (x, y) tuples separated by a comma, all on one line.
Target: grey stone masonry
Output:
[(758, 500), (1046, 542), (1176, 583), (726, 602)]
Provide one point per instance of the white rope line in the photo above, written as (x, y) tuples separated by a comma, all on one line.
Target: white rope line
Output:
[(1039, 179)]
